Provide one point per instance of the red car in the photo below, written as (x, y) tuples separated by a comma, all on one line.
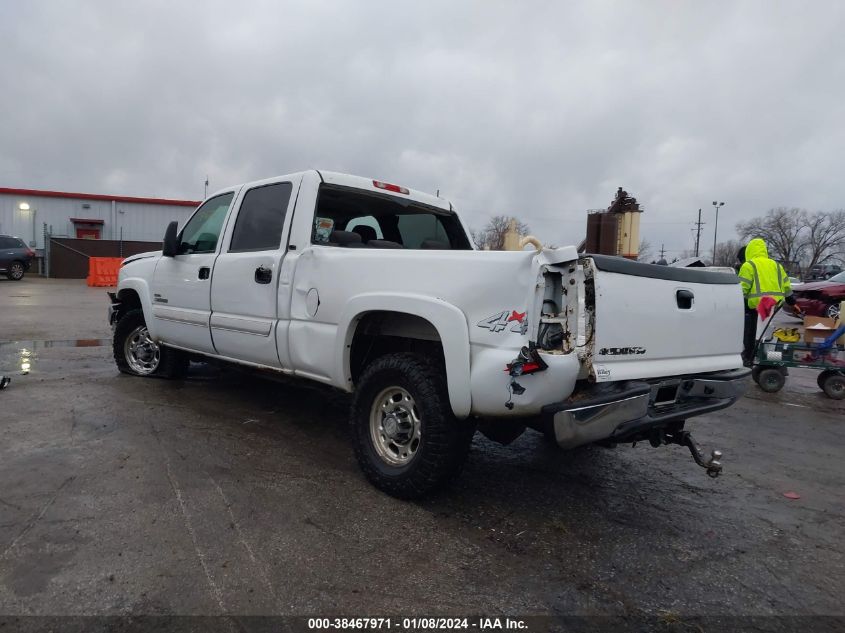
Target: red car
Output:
[(821, 298)]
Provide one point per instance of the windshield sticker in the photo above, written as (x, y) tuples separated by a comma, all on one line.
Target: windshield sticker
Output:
[(322, 229)]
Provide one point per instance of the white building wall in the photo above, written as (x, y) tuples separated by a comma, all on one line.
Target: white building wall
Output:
[(139, 221)]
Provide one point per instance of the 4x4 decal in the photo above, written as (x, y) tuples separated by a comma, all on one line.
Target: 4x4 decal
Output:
[(500, 320)]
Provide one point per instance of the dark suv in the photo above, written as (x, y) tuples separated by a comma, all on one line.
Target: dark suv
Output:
[(823, 271), (15, 257)]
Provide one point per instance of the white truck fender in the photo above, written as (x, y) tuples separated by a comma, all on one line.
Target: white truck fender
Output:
[(140, 286), (448, 320)]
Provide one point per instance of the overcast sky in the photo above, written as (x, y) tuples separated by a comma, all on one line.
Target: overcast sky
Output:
[(537, 110)]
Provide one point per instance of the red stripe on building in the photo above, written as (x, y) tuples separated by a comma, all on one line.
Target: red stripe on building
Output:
[(98, 196)]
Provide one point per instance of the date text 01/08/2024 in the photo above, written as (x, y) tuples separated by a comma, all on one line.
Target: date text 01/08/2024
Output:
[(417, 624)]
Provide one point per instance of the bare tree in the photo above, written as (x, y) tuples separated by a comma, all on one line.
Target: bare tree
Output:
[(782, 229), (794, 235), (825, 237), (492, 236), (726, 253), (645, 251)]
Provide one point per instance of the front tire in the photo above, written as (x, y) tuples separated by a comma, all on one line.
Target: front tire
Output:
[(135, 353), (832, 311), (771, 380), (407, 440), (15, 271)]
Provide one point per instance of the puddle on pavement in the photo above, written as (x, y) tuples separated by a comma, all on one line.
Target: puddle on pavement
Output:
[(25, 352)]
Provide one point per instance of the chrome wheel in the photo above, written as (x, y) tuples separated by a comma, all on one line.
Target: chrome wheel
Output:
[(833, 311), (141, 352), (395, 426), (16, 271)]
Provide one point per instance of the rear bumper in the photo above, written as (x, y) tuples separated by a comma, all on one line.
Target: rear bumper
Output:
[(632, 409)]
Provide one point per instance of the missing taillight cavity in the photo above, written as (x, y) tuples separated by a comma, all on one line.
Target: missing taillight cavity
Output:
[(388, 187)]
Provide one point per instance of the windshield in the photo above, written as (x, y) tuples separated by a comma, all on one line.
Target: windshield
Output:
[(839, 279)]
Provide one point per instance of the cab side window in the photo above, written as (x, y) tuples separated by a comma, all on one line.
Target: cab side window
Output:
[(202, 231), (261, 218)]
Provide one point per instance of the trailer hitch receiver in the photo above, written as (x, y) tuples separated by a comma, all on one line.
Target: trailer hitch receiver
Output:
[(713, 466)]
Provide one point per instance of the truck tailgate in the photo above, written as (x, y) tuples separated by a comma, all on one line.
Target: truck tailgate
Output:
[(651, 321)]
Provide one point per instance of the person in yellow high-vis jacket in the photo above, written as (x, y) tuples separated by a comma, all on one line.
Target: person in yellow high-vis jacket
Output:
[(760, 276)]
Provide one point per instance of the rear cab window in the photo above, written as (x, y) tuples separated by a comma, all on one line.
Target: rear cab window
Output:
[(350, 217)]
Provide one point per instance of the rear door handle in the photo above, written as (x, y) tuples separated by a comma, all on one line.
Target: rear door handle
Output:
[(263, 275), (204, 272)]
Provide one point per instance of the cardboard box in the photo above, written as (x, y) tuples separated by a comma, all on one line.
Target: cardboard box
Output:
[(817, 329)]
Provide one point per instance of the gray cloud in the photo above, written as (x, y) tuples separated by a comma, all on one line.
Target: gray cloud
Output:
[(540, 110)]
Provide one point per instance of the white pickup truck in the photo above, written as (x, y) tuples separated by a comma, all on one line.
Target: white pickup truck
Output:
[(377, 290)]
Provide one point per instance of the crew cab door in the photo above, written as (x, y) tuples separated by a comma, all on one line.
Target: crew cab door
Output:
[(181, 284), (245, 284)]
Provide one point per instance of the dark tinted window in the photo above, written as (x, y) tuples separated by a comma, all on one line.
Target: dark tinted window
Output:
[(202, 231), (11, 242), (416, 229), (383, 219), (261, 218)]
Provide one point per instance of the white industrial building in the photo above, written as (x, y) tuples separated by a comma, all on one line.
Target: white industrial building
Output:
[(30, 214)]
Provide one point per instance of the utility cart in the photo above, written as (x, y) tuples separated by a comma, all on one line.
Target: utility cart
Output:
[(773, 357)]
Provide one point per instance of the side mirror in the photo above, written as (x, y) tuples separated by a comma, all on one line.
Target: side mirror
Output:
[(170, 247)]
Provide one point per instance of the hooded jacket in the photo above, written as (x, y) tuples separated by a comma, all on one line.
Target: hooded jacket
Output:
[(761, 276)]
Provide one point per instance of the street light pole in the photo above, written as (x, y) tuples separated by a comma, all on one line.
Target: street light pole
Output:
[(716, 205)]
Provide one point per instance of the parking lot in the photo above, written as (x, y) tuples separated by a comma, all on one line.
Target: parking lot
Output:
[(229, 494)]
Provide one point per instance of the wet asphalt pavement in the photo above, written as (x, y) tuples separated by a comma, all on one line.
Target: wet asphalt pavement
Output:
[(229, 494)]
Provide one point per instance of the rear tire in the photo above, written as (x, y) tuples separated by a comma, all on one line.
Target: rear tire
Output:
[(407, 440), (771, 380), (832, 311), (15, 271), (822, 377), (135, 353), (834, 385)]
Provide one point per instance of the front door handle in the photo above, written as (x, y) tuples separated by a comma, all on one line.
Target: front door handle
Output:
[(204, 272), (263, 275)]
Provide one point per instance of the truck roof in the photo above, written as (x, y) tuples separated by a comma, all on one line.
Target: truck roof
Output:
[(359, 182)]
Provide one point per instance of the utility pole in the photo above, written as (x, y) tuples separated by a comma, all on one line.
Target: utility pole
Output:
[(206, 188), (662, 252), (697, 230)]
